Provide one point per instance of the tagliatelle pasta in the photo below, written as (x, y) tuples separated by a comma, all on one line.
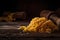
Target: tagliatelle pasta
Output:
[(42, 25)]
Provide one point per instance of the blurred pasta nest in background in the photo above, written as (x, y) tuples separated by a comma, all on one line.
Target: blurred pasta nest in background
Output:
[(39, 24)]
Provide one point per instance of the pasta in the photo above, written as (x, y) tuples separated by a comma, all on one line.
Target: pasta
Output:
[(42, 25)]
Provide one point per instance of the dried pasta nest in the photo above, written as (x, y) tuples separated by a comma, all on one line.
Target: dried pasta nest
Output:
[(42, 25)]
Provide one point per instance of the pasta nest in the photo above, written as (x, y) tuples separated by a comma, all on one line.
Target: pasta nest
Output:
[(42, 25)]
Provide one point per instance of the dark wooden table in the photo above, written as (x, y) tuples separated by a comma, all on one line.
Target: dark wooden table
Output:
[(9, 31)]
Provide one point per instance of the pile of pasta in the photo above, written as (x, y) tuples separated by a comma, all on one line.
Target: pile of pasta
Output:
[(42, 25), (8, 18)]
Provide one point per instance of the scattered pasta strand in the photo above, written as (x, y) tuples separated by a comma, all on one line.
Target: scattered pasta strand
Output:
[(22, 27)]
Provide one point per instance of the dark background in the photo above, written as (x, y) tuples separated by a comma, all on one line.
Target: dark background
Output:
[(31, 7)]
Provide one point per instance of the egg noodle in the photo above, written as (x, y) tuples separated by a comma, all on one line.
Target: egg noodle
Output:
[(39, 24)]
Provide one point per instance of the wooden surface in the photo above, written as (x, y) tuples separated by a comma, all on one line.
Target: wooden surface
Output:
[(10, 30)]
